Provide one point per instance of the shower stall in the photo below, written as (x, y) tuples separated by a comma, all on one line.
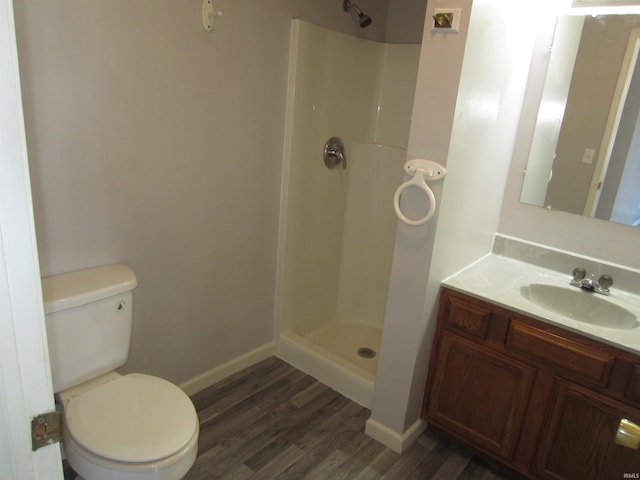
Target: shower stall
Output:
[(338, 224)]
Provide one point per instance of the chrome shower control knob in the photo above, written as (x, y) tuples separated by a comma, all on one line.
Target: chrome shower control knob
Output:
[(334, 153)]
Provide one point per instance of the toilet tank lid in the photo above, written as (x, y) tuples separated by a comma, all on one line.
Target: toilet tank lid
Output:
[(68, 290)]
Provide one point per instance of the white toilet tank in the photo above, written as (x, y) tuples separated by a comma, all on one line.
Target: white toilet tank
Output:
[(89, 317)]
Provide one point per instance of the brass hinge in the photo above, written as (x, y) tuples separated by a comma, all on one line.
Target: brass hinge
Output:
[(46, 429)]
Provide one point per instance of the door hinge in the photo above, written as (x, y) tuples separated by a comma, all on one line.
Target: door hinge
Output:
[(46, 429)]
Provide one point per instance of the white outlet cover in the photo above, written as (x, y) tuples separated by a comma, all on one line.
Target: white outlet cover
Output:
[(588, 155)]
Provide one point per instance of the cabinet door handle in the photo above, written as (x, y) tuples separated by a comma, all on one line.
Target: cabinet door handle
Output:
[(628, 434)]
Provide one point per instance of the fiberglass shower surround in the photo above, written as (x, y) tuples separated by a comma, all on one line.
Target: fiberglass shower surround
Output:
[(339, 224)]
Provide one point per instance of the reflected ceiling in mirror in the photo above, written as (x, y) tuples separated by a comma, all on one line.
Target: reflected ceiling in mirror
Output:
[(585, 152)]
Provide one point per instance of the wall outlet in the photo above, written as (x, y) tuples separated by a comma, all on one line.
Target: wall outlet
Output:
[(446, 20), (587, 156)]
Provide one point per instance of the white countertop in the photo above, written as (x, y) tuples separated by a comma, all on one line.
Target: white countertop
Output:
[(498, 279)]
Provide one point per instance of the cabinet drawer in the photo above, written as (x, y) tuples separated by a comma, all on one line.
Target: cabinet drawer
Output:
[(467, 317), (564, 355)]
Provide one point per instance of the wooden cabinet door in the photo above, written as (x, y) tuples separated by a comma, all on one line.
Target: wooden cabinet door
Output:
[(479, 396), (578, 441)]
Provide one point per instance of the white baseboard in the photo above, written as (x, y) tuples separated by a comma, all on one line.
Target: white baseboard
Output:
[(390, 438), (227, 369)]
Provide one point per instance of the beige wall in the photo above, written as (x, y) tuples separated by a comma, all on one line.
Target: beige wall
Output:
[(158, 145), (404, 21)]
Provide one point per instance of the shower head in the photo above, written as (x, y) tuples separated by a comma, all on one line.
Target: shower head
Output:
[(363, 19)]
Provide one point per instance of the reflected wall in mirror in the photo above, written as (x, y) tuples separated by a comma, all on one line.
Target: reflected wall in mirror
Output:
[(585, 152)]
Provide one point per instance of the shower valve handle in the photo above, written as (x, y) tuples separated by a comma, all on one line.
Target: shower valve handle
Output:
[(334, 153)]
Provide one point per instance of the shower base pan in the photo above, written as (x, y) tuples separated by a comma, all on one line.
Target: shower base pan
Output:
[(342, 355)]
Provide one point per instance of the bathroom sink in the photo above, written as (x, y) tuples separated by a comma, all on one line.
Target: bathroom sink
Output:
[(580, 305)]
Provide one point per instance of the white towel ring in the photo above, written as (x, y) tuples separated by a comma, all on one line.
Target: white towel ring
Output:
[(422, 170), (416, 181)]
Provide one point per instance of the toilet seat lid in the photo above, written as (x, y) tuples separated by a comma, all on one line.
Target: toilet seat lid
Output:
[(134, 418)]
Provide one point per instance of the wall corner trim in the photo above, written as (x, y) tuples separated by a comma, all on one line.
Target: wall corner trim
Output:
[(398, 442), (227, 369)]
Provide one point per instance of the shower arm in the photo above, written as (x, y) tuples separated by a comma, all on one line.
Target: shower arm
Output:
[(363, 19), (347, 6)]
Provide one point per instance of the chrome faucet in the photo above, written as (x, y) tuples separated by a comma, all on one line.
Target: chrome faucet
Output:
[(591, 284)]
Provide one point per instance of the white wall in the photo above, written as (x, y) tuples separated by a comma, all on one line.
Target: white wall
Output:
[(473, 132), (483, 142), (430, 133)]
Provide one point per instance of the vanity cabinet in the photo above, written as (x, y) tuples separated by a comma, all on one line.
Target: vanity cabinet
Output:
[(542, 401)]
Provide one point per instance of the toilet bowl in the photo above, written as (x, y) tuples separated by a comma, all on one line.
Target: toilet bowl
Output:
[(131, 427), (116, 427)]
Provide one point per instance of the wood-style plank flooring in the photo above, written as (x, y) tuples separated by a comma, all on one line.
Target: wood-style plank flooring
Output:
[(272, 421)]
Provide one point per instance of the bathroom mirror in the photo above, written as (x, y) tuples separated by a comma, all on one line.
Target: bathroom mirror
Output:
[(585, 151)]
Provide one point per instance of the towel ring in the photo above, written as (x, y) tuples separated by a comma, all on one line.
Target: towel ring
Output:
[(422, 171)]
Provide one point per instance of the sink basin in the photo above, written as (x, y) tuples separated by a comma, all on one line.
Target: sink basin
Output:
[(580, 305)]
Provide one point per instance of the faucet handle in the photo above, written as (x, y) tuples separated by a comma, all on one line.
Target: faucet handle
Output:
[(578, 274), (605, 282)]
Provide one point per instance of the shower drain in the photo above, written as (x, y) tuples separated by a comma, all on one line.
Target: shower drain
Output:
[(366, 352)]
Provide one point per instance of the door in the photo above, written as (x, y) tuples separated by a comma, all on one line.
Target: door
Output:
[(479, 395), (25, 381), (612, 128), (579, 441)]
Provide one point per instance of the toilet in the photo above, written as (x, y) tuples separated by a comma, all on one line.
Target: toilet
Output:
[(124, 427)]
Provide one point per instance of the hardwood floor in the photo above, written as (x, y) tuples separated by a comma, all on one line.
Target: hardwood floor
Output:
[(272, 421)]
